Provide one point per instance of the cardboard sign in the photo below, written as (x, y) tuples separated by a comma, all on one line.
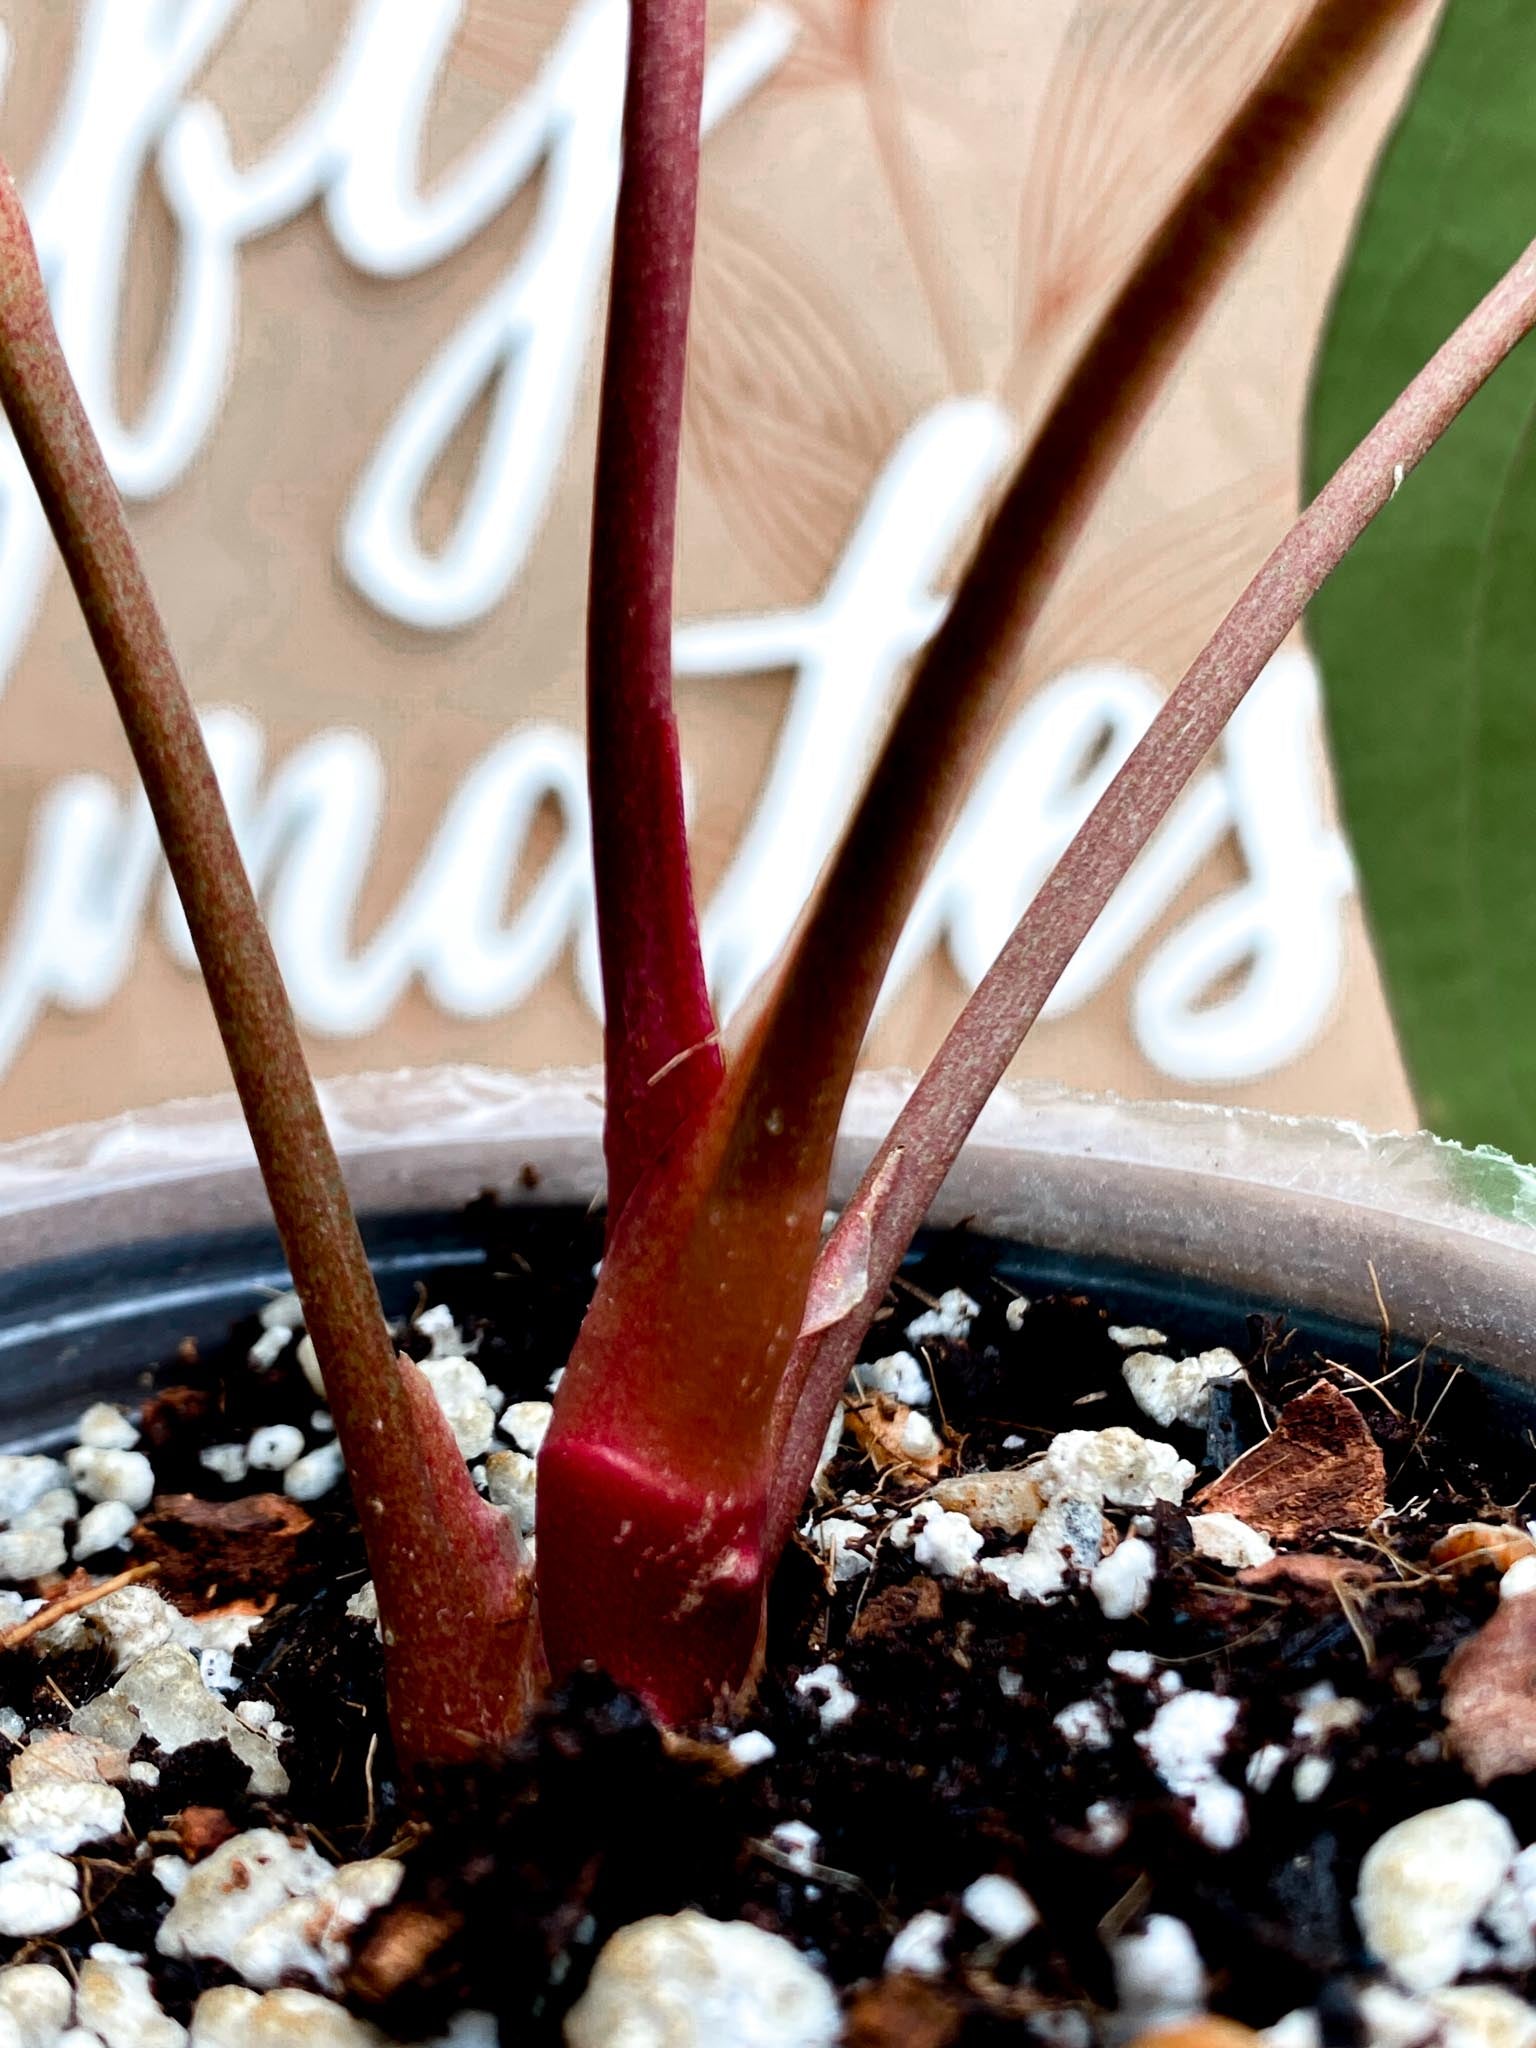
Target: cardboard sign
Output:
[(331, 277)]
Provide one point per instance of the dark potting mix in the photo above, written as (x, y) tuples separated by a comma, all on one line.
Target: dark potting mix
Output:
[(1112, 1685)]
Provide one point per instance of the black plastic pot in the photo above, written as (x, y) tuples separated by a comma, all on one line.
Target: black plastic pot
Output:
[(119, 1241)]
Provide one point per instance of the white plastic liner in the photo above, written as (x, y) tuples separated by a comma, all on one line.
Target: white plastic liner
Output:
[(1301, 1210)]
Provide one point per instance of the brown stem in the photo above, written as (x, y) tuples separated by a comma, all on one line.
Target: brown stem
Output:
[(448, 1632), (815, 1018), (909, 1169)]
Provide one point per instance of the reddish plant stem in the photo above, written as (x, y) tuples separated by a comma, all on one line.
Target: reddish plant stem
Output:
[(814, 1022), (909, 1168), (660, 1055), (656, 1530), (453, 1590)]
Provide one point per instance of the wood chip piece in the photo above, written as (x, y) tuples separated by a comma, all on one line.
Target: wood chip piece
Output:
[(1482, 1546), (233, 1546), (172, 1413), (902, 2012), (402, 1942), (202, 1829), (1009, 1502), (897, 1438), (1308, 1572), (1319, 1471), (1490, 1695), (1208, 2031), (896, 1610)]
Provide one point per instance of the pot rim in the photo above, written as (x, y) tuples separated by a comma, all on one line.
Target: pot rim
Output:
[(1301, 1211)]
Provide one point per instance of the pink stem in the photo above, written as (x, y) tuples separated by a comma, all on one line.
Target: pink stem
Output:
[(660, 1054), (909, 1169), (814, 1022)]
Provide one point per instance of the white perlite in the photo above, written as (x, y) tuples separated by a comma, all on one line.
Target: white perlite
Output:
[(1136, 1665), (1084, 1725), (112, 1475), (1185, 1743), (282, 1312), (829, 1446), (1159, 1977), (270, 1910), (827, 1691), (944, 1543), (462, 1395), (799, 1844), (834, 1539), (364, 1605), (900, 1376), (1426, 1883), (105, 1428), (1115, 1465), (1224, 1539), (1135, 1336), (163, 1696), (751, 1747), (1311, 1778), (1264, 1766), (57, 1506), (1322, 1714), (60, 1796), (527, 1423), (951, 1319), (1107, 1826), (682, 1980), (268, 1349), (1000, 1907), (1484, 2016), (115, 2004), (228, 1462), (39, 1894), (274, 1448), (103, 1527), (312, 1476), (232, 2017), (1122, 1582), (309, 1365), (24, 1481), (919, 1440), (31, 1553), (130, 1623), (918, 1948), (437, 1323), (511, 1482), (1177, 1389), (38, 2001), (1067, 1540)]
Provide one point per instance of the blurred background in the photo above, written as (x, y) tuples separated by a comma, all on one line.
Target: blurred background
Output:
[(331, 275)]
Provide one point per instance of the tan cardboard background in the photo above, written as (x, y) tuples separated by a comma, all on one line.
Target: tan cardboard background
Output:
[(922, 200)]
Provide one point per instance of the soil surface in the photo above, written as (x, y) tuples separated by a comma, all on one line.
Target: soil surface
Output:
[(960, 1733)]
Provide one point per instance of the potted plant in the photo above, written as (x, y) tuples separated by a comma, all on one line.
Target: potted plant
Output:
[(566, 1751)]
